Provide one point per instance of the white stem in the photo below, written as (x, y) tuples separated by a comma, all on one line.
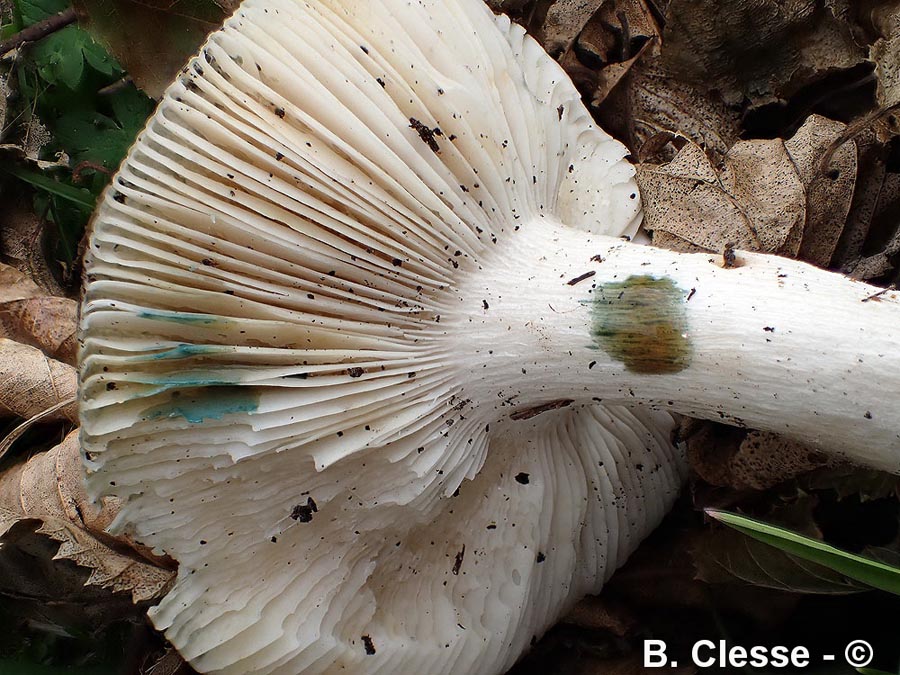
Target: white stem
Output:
[(769, 344)]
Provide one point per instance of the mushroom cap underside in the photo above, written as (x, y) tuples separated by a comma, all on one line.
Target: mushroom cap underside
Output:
[(263, 375)]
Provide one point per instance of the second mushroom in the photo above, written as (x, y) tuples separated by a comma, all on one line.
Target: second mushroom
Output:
[(366, 348)]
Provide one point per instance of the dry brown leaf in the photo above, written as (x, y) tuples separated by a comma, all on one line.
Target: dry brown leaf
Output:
[(29, 316), (564, 21), (4, 93), (871, 173), (760, 50), (754, 460), (686, 199), (600, 613), (760, 177), (31, 382), (829, 189), (766, 195), (650, 101), (616, 37), (22, 242), (152, 39), (885, 53), (48, 488)]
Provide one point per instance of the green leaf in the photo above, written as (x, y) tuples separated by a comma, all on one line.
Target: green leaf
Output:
[(729, 557), (90, 136), (59, 58), (870, 572), (32, 11)]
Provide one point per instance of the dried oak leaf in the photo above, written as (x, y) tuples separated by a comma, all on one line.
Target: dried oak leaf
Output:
[(30, 316), (31, 383), (48, 488)]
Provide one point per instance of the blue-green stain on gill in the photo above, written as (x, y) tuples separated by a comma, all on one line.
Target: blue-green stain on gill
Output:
[(205, 404), (642, 322), (184, 351), (182, 317)]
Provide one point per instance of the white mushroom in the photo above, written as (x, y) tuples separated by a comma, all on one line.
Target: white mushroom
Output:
[(364, 352)]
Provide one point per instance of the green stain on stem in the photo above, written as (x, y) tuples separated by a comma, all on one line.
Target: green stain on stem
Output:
[(642, 322), (207, 403)]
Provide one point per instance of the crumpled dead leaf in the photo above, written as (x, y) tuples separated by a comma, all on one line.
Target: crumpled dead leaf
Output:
[(30, 316), (564, 20), (885, 52), (619, 34), (870, 245), (31, 383), (765, 195), (48, 488), (600, 613), (4, 93), (753, 202)]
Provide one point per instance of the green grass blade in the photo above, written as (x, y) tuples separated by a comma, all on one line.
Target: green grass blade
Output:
[(78, 196), (870, 572)]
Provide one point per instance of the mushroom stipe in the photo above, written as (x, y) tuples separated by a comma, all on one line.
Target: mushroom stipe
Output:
[(366, 351)]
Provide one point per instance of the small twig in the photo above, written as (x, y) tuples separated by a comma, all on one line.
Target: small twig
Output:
[(39, 30), (15, 434), (81, 167), (879, 294), (852, 131)]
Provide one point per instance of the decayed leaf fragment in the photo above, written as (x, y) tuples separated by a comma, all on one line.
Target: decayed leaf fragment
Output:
[(885, 53), (767, 195), (22, 242), (30, 316), (829, 189), (755, 460), (616, 37), (564, 21), (31, 382), (48, 488)]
